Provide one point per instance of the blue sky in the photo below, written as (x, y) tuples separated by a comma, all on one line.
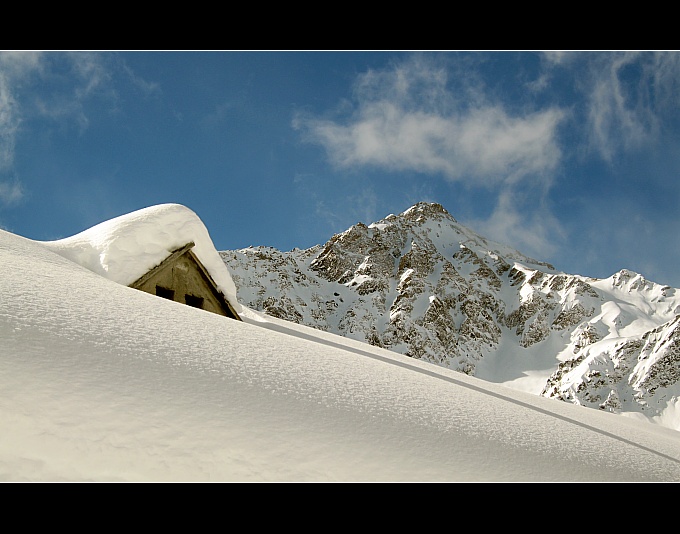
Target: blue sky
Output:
[(570, 157)]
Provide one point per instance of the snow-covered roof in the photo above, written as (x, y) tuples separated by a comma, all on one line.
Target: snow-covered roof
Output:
[(126, 247)]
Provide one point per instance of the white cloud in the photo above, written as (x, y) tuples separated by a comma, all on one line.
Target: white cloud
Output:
[(407, 120), (612, 117), (88, 75), (15, 67), (628, 96), (9, 123), (415, 116), (21, 99), (10, 193), (531, 229), (664, 74), (496, 146), (91, 72), (17, 64), (558, 57)]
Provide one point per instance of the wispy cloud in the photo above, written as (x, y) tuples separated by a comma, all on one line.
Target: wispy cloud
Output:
[(22, 72), (440, 116), (627, 97), (148, 88), (9, 124), (15, 67), (10, 193), (407, 119), (73, 78), (531, 228), (617, 118)]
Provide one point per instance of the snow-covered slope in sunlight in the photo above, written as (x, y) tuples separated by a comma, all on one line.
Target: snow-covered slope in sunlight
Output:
[(101, 382)]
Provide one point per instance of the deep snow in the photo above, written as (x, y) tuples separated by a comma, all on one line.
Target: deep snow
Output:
[(101, 382)]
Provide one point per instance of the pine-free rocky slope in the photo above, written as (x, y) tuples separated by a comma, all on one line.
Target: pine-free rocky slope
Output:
[(423, 285)]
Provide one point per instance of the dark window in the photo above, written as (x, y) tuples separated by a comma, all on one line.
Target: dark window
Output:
[(196, 302), (165, 292)]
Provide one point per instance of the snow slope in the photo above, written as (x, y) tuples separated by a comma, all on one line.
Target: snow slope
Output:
[(101, 382)]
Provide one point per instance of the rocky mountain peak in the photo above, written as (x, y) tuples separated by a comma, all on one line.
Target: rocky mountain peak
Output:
[(421, 284), (426, 211)]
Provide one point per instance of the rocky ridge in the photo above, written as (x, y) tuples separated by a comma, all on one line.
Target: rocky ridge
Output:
[(423, 285)]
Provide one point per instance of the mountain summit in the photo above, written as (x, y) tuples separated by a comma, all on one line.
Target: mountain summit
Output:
[(423, 285)]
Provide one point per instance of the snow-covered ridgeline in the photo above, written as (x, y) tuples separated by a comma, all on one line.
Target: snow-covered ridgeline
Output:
[(421, 284)]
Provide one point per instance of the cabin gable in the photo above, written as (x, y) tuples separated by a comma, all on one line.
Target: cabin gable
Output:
[(181, 277)]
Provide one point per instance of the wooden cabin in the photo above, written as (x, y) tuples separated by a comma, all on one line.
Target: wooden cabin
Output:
[(183, 278)]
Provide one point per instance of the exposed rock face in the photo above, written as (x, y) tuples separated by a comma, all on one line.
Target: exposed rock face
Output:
[(423, 285)]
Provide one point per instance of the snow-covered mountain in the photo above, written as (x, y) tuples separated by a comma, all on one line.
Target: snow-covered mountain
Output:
[(423, 285)]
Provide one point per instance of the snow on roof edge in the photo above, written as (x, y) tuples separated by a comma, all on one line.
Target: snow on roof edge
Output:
[(126, 247)]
